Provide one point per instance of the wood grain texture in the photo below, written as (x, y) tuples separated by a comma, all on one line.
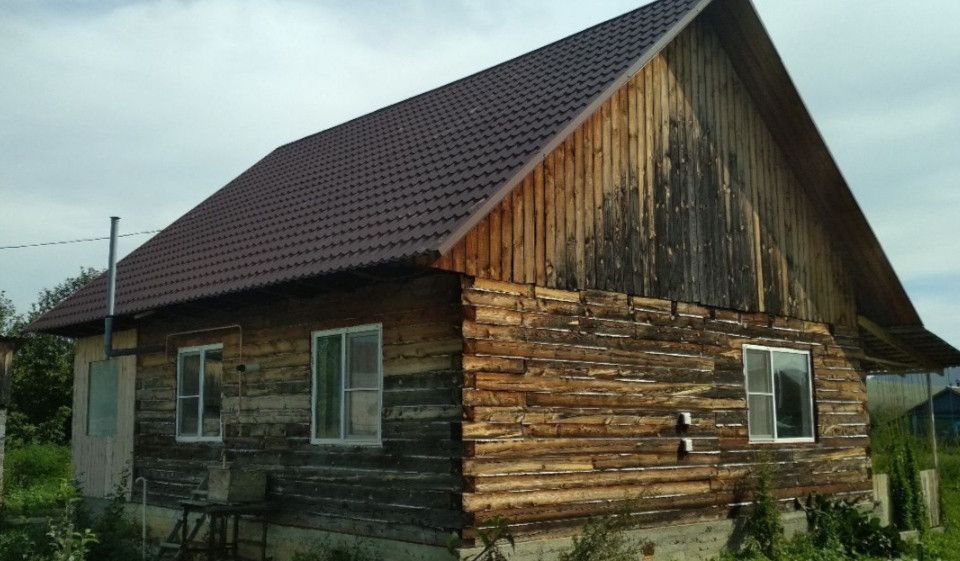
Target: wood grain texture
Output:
[(676, 188), (407, 489), (571, 401)]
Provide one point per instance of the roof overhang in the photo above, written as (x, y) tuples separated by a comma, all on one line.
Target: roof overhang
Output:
[(904, 349)]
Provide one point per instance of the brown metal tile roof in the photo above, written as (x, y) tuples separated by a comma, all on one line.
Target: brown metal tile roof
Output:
[(385, 187)]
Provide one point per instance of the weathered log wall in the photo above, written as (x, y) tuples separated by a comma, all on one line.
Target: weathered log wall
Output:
[(571, 401), (674, 189), (407, 489)]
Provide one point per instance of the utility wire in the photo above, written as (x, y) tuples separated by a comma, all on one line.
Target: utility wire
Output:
[(81, 240)]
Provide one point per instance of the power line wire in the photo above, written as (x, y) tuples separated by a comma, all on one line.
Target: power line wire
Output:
[(80, 240)]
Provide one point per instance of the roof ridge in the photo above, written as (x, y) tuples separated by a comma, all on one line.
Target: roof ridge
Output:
[(377, 168), (469, 76)]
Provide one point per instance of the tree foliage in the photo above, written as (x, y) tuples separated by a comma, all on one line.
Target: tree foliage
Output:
[(41, 390), (8, 314)]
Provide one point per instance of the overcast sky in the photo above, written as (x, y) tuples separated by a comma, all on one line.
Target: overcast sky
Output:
[(143, 109)]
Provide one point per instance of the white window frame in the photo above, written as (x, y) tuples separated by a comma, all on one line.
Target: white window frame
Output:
[(202, 349), (772, 394), (343, 332)]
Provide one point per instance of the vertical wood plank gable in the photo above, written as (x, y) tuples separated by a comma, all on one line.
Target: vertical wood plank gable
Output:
[(674, 188)]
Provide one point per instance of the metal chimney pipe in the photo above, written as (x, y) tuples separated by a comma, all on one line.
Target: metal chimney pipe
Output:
[(111, 290)]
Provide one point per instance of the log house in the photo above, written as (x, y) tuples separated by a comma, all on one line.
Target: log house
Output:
[(613, 273)]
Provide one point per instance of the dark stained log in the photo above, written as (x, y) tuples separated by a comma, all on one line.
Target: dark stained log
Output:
[(570, 406), (406, 489)]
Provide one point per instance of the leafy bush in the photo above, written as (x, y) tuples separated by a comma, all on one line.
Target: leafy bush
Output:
[(38, 499), (36, 463), (118, 538), (41, 390), (798, 548), (802, 548), (23, 432), (21, 545), (69, 542), (604, 539), (841, 525)]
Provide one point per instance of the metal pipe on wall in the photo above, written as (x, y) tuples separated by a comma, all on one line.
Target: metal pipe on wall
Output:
[(108, 350), (111, 290)]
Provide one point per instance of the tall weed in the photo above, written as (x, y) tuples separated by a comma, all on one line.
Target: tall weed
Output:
[(763, 528), (605, 538)]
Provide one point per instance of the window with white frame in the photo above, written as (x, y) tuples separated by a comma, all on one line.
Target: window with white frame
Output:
[(347, 385), (199, 393), (779, 394)]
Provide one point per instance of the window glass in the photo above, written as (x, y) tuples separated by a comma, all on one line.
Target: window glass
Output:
[(362, 413), (779, 399), (364, 360), (327, 386), (792, 378), (102, 398), (200, 392), (212, 391), (758, 371), (347, 384), (760, 416), (189, 409), (190, 374)]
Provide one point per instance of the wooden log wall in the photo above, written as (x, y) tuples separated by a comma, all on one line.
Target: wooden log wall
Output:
[(407, 489), (674, 189), (571, 401)]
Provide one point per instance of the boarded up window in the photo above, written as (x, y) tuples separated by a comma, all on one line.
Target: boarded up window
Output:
[(199, 392), (102, 398), (779, 394), (347, 385)]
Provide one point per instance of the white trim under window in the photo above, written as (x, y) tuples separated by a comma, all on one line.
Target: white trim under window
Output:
[(201, 352), (340, 391), (767, 392)]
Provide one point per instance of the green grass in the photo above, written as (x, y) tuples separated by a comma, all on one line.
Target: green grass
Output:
[(946, 545), (36, 484), (36, 479)]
